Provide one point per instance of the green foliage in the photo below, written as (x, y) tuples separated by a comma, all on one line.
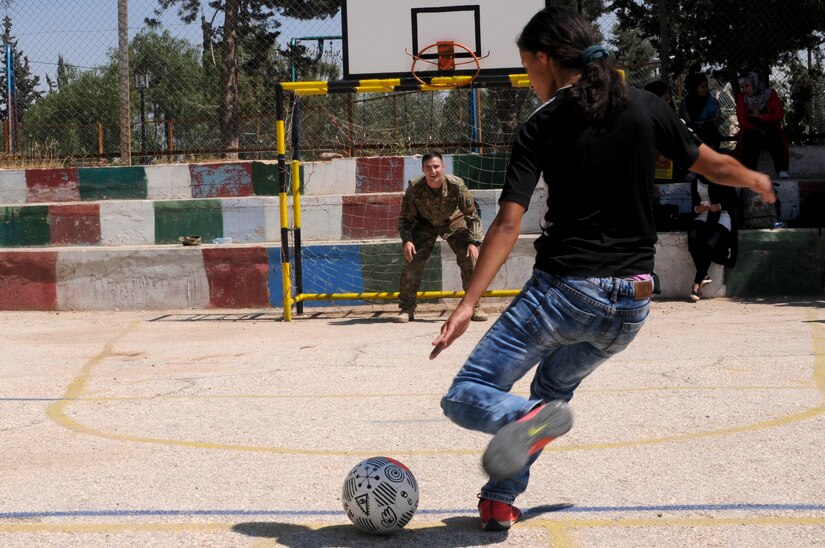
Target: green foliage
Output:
[(248, 46), (634, 53), (78, 101), (726, 34), (179, 89), (805, 93), (26, 83)]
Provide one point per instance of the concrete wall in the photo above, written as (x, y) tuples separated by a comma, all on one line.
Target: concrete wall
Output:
[(788, 263), (103, 238)]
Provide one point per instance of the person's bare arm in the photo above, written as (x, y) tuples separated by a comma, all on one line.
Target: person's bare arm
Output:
[(500, 239), (727, 170)]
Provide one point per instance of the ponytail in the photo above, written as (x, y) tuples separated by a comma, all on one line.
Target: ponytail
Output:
[(566, 37)]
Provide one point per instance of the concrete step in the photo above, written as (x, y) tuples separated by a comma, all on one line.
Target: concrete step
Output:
[(250, 219), (772, 263)]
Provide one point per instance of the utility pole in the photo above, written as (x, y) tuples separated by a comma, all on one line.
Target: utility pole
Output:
[(142, 82), (123, 77)]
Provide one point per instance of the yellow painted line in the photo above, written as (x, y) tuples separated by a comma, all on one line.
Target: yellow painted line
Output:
[(346, 396), (56, 411), (559, 536)]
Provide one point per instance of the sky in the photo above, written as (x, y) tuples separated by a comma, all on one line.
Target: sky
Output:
[(85, 31)]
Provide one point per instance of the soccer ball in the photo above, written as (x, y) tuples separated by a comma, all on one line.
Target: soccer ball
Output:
[(380, 495)]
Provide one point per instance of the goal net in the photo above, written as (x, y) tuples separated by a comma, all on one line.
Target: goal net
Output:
[(357, 150)]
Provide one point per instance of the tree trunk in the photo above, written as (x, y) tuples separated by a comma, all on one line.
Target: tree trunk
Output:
[(665, 22), (229, 126)]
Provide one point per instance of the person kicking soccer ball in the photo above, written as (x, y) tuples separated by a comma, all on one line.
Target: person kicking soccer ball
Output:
[(594, 142)]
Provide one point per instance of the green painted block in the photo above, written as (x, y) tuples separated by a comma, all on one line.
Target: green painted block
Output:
[(265, 179), (481, 171), (177, 218), (24, 226), (778, 263), (112, 183), (382, 265)]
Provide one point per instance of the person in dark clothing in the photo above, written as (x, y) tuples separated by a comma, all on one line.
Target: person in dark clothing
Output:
[(593, 142), (760, 115), (712, 236)]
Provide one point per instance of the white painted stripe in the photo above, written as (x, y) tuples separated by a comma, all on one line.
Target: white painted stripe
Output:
[(249, 220), (108, 279), (321, 218), (335, 177), (13, 188), (168, 182), (127, 222)]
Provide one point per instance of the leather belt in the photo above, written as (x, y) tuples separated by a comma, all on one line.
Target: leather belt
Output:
[(642, 289)]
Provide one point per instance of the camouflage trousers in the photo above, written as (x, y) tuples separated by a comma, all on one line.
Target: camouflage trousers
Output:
[(424, 240)]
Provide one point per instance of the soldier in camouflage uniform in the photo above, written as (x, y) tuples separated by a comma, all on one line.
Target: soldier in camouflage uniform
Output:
[(435, 205)]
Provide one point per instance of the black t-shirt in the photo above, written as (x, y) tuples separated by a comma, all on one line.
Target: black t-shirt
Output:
[(599, 211)]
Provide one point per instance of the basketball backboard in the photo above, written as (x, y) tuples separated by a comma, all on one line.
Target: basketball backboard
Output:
[(381, 36)]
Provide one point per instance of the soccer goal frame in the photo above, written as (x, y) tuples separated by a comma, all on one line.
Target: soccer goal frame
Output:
[(292, 170)]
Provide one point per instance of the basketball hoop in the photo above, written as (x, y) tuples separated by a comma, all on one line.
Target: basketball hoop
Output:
[(445, 60)]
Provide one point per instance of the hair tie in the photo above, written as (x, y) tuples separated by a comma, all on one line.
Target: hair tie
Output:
[(594, 52)]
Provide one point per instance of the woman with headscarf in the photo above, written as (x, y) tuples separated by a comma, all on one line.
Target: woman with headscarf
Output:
[(760, 115)]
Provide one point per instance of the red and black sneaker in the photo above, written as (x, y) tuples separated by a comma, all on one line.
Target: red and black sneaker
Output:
[(511, 447), (497, 516)]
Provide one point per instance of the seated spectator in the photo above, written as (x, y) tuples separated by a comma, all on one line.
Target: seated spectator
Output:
[(700, 110), (661, 90), (664, 167), (712, 236), (760, 115)]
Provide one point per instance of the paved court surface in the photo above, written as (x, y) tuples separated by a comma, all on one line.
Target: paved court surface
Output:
[(237, 429)]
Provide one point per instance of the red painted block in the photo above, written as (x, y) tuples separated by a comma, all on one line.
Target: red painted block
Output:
[(52, 185), (371, 216), (28, 280), (76, 224), (238, 276), (221, 180), (384, 174)]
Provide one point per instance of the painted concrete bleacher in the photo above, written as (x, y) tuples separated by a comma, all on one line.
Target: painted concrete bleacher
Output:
[(107, 238)]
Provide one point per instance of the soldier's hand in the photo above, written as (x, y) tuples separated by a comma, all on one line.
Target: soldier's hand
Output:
[(409, 251)]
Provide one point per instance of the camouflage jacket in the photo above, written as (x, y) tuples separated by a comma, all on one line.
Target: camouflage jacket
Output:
[(446, 211)]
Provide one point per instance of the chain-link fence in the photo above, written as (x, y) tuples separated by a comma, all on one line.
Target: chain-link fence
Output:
[(201, 76)]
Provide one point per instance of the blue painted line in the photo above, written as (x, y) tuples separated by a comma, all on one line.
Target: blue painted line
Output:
[(571, 509)]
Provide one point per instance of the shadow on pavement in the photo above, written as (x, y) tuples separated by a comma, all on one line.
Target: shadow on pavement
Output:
[(451, 532)]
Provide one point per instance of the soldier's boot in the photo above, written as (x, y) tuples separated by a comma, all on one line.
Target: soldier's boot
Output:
[(404, 316), (479, 315)]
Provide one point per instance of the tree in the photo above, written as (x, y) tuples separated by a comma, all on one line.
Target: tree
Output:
[(250, 22), (26, 92), (724, 34), (178, 88), (80, 100), (635, 54)]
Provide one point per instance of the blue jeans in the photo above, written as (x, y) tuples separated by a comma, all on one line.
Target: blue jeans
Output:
[(568, 326)]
